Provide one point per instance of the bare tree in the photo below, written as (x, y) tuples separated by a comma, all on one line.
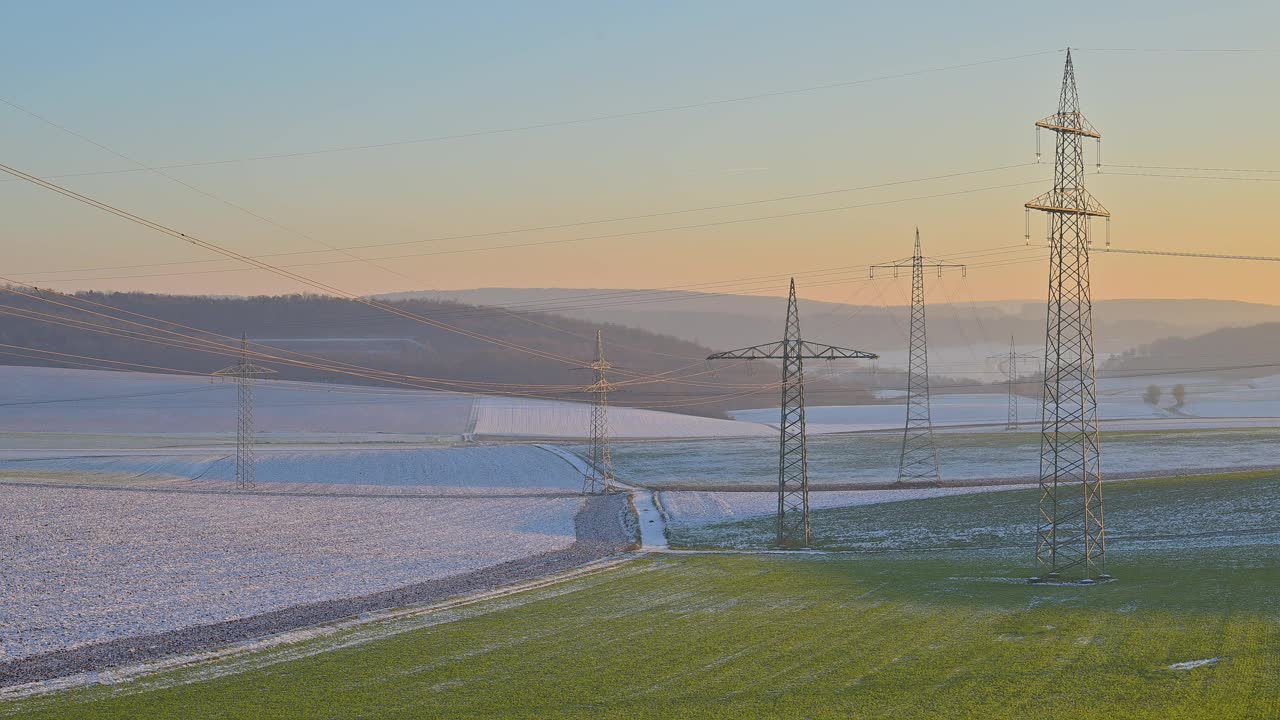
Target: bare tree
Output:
[(1152, 395), (1179, 396)]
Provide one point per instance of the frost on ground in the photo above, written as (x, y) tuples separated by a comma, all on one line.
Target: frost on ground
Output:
[(686, 508), (1236, 514), (864, 458), (89, 565), (459, 470)]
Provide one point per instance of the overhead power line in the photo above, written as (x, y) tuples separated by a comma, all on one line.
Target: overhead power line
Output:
[(1170, 253), (205, 193), (323, 287), (1193, 169), (572, 121), (556, 226), (1235, 178), (268, 220), (1222, 51), (224, 346), (278, 269)]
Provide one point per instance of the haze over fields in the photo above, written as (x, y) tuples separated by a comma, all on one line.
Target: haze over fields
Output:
[(727, 320), (629, 361)]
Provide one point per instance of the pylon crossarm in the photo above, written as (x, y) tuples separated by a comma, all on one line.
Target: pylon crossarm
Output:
[(816, 351), (244, 371), (910, 263), (768, 351), (1069, 122), (1073, 201), (807, 351)]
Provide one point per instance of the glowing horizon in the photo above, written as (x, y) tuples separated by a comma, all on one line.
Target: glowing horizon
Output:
[(1153, 109)]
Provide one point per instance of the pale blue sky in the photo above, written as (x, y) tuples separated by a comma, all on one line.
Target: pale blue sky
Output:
[(169, 84)]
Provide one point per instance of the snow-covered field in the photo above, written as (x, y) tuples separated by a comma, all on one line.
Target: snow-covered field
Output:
[(87, 565), (507, 469), (92, 401), (97, 401), (517, 418), (55, 400)]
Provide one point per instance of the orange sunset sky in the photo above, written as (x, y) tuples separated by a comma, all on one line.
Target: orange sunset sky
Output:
[(459, 132)]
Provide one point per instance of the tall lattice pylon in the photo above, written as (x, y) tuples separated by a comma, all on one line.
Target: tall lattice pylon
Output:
[(793, 454), (1071, 535), (599, 477), (1010, 362), (244, 373), (918, 460)]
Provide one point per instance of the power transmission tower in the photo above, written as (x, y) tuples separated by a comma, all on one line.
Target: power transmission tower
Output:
[(793, 460), (599, 477), (244, 373), (919, 457), (1071, 536), (1011, 371)]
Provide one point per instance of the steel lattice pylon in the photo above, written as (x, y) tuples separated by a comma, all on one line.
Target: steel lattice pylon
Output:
[(599, 477), (1011, 373), (918, 460), (1071, 535), (244, 374), (793, 460)]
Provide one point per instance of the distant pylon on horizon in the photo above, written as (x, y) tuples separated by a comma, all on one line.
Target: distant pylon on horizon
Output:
[(918, 459)]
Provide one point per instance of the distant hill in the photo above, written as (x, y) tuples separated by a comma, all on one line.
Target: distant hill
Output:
[(1251, 351), (725, 321), (347, 331)]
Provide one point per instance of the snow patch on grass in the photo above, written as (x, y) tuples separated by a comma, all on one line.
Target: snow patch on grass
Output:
[(1193, 664)]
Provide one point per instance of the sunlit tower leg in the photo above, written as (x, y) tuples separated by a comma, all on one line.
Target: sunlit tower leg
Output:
[(1071, 536)]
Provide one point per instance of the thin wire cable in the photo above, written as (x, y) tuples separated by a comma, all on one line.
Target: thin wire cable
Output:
[(227, 349), (324, 287), (558, 226), (1169, 253), (1191, 169), (258, 216), (177, 371), (1224, 51), (578, 121), (1193, 177), (510, 246)]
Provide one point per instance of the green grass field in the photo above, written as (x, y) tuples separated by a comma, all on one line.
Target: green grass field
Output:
[(955, 634)]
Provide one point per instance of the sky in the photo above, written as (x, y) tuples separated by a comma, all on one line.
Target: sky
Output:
[(485, 121)]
